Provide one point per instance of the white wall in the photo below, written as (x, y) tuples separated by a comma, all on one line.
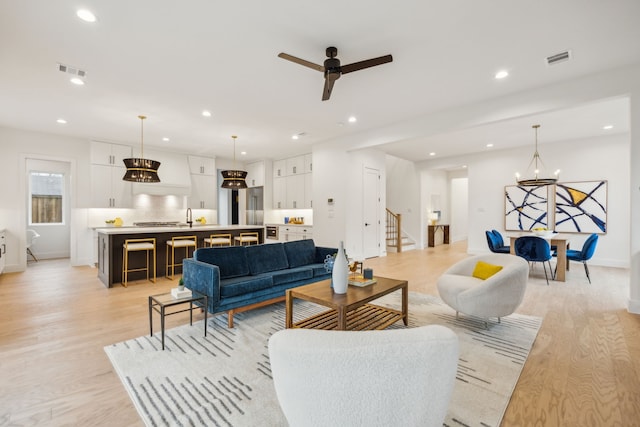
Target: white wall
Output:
[(459, 208), (583, 160), (18, 145), (403, 196)]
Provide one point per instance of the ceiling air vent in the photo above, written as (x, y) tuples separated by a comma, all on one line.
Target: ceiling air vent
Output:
[(558, 57), (72, 70)]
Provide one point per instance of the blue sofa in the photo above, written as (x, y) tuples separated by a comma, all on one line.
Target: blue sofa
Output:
[(239, 278)]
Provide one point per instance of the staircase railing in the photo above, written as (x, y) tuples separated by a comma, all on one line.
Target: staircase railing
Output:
[(394, 230)]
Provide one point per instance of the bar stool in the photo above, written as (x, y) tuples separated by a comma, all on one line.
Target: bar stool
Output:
[(135, 245), (218, 240), (185, 242), (248, 238)]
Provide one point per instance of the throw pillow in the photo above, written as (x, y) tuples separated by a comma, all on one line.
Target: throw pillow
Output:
[(484, 270)]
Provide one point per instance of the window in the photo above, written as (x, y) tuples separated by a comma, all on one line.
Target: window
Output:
[(47, 190)]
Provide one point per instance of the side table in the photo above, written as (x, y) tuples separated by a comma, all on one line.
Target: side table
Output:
[(161, 302), (431, 234)]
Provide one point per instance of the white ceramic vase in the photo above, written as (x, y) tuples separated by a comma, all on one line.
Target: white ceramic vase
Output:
[(340, 274)]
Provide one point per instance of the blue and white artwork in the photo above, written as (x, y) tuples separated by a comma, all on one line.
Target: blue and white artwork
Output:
[(526, 208), (581, 207)]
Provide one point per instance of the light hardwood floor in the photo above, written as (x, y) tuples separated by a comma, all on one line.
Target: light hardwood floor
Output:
[(584, 369)]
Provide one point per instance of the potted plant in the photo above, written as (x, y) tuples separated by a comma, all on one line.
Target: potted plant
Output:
[(181, 285)]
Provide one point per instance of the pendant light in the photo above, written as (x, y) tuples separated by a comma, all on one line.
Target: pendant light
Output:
[(140, 169), (234, 179), (536, 174)]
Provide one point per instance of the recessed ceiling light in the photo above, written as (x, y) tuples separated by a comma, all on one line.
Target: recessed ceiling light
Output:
[(489, 145), (464, 166), (165, 139), (607, 127), (295, 136), (86, 15), (77, 81), (352, 119), (61, 121), (206, 113), (432, 154), (243, 153), (501, 74)]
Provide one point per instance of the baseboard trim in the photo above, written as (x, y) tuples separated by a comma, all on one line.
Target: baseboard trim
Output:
[(634, 306)]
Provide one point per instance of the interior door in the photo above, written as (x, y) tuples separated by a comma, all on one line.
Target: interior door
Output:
[(371, 213)]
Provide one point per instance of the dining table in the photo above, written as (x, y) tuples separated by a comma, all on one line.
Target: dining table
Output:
[(560, 240)]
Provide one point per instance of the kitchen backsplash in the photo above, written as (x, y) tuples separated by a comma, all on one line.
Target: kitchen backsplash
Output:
[(150, 208)]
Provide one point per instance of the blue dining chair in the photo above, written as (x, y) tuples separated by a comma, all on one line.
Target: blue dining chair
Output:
[(585, 254), (500, 242), (535, 249), (495, 243)]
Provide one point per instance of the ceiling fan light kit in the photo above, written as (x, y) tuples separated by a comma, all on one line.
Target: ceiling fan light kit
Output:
[(234, 179), (536, 174), (332, 69), (140, 169)]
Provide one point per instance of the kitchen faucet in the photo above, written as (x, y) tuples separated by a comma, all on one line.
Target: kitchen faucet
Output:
[(189, 218)]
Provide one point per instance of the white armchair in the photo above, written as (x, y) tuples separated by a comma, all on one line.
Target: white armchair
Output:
[(372, 378), (497, 296)]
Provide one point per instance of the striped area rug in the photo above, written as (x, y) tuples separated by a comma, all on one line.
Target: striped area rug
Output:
[(224, 379)]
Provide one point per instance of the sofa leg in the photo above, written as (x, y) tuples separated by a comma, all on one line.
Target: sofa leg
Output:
[(230, 319)]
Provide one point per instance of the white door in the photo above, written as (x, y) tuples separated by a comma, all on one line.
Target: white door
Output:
[(371, 213), (49, 207)]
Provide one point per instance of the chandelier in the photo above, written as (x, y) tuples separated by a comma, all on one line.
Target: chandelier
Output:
[(234, 179), (140, 169), (536, 174)]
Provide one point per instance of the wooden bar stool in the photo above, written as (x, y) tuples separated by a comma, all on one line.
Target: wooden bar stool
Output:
[(185, 242), (248, 238), (135, 245), (218, 240)]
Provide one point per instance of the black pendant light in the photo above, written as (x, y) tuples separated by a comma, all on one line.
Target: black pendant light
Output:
[(140, 169), (536, 174), (234, 179)]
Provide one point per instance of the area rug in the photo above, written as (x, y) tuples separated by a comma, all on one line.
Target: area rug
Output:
[(224, 379)]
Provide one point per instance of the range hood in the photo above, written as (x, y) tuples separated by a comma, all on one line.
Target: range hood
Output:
[(175, 177)]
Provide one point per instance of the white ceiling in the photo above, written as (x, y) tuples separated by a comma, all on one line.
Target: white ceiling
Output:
[(171, 59)]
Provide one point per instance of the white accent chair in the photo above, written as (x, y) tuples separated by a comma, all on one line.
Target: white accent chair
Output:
[(32, 235), (401, 377), (498, 296)]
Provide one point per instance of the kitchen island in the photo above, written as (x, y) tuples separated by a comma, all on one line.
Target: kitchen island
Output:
[(111, 240)]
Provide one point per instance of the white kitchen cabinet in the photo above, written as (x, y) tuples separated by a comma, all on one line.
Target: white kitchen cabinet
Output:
[(295, 165), (202, 165), (3, 251), (203, 192), (295, 191), (308, 163), (308, 191), (255, 174), (279, 193), (108, 190), (288, 233), (279, 168), (103, 153)]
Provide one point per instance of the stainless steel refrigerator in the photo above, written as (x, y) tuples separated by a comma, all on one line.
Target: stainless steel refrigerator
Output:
[(255, 206)]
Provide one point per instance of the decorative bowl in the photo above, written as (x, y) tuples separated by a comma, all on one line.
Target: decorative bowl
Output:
[(543, 233)]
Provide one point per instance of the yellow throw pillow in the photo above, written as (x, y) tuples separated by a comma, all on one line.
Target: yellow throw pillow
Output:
[(485, 270)]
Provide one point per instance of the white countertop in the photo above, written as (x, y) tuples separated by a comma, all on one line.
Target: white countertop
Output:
[(195, 228), (289, 225)]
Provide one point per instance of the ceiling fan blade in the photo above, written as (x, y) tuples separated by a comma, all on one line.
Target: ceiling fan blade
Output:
[(301, 61), (329, 80), (366, 64)]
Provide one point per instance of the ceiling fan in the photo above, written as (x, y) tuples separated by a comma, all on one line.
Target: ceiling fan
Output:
[(333, 70)]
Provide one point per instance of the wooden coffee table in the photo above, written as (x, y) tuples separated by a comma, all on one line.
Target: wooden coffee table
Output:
[(349, 311)]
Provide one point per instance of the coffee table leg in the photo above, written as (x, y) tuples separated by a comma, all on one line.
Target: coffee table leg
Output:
[(405, 304), (206, 314), (289, 311), (162, 324), (342, 319), (150, 317)]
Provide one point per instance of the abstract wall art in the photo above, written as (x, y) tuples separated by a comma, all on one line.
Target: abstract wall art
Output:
[(525, 208), (581, 207)]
